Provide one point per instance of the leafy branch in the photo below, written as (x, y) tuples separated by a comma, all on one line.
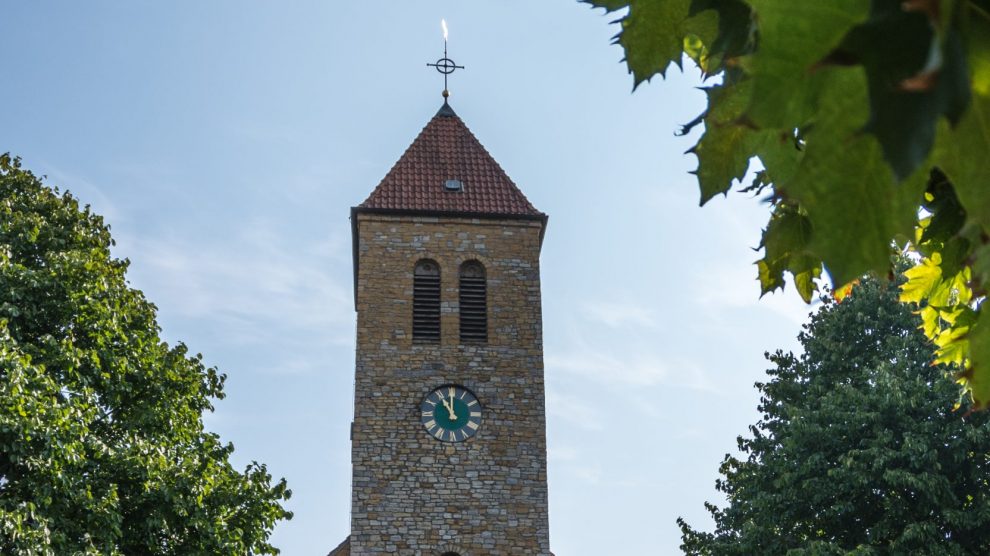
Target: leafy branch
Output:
[(870, 123)]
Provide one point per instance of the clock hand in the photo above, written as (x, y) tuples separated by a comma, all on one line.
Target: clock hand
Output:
[(449, 404)]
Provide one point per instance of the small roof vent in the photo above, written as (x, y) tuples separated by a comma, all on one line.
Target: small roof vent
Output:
[(453, 185)]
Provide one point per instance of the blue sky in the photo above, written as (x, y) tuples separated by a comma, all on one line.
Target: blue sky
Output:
[(226, 141)]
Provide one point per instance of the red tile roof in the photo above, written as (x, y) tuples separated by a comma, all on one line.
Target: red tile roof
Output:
[(447, 150)]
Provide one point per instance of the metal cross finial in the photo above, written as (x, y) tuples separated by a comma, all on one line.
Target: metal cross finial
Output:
[(445, 65)]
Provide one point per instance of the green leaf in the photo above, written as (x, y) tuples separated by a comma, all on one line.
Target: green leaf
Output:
[(736, 27), (724, 150), (947, 214), (771, 277), (849, 193), (953, 347), (654, 31), (793, 38), (785, 242), (921, 280), (609, 5), (962, 153), (930, 321), (915, 77), (954, 254), (723, 156), (981, 265), (978, 38), (977, 378), (806, 270)]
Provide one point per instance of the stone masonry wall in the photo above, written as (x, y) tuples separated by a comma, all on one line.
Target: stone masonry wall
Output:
[(412, 494)]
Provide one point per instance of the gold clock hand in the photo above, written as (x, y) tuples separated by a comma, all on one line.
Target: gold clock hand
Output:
[(449, 404)]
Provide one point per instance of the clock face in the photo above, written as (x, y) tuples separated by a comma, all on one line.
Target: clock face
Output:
[(451, 413)]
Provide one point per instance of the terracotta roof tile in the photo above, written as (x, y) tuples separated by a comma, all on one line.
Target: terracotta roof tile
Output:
[(447, 150)]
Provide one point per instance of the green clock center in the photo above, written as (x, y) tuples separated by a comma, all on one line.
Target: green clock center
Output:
[(451, 413), (461, 412)]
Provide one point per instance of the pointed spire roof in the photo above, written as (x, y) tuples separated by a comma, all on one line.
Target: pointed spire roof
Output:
[(447, 150)]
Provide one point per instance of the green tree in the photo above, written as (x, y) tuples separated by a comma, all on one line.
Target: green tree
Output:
[(870, 121), (102, 445), (857, 450)]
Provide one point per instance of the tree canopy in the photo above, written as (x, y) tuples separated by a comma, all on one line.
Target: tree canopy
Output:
[(870, 126), (102, 444), (857, 450)]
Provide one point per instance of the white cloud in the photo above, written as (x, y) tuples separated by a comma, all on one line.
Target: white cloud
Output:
[(255, 285), (641, 369), (574, 410), (733, 285), (615, 315), (633, 364), (588, 473), (562, 453)]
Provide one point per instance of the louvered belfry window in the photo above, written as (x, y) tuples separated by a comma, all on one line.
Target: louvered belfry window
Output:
[(426, 302), (473, 303)]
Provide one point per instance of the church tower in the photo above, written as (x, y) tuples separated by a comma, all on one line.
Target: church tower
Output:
[(448, 441)]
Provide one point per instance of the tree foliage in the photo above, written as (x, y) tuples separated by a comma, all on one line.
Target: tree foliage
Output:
[(857, 450), (870, 122), (102, 445)]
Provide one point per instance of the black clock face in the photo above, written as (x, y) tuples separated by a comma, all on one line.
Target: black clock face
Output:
[(451, 414)]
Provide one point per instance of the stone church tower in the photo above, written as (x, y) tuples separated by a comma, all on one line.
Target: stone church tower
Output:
[(448, 443)]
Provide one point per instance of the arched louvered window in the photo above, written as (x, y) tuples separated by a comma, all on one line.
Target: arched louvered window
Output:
[(473, 303), (426, 302)]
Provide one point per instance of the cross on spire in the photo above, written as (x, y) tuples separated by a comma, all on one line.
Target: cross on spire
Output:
[(445, 65)]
